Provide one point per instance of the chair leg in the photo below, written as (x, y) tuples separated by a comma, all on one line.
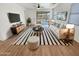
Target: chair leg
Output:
[(71, 41)]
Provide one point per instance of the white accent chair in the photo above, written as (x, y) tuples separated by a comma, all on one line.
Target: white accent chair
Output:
[(58, 31)]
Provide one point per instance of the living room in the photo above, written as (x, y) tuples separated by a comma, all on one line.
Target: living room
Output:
[(19, 24)]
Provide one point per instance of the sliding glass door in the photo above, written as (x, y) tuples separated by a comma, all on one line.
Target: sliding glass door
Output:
[(42, 18)]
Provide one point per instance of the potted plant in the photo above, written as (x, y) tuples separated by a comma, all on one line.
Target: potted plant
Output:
[(28, 21)]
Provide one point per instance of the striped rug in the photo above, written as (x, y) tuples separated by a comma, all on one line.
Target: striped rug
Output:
[(47, 37)]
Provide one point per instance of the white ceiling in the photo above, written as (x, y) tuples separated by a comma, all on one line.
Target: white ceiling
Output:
[(46, 6), (28, 5), (35, 5)]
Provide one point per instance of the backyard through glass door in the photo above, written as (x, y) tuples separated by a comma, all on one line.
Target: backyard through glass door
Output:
[(44, 23)]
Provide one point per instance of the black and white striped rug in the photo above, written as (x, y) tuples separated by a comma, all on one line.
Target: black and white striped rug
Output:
[(47, 37)]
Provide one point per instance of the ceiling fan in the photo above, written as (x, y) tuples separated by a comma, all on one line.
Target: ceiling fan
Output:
[(46, 5), (38, 6)]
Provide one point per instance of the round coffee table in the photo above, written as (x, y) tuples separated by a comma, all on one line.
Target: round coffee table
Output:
[(38, 30)]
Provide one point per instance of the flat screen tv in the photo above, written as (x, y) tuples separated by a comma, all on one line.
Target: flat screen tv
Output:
[(13, 17)]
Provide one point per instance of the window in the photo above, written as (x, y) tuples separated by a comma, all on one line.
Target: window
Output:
[(60, 15)]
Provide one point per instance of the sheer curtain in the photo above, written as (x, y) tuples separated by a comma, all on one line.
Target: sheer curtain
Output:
[(74, 14)]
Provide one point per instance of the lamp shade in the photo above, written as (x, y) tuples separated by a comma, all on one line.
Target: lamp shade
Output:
[(69, 26)]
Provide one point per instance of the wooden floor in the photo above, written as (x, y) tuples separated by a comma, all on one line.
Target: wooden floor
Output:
[(6, 48)]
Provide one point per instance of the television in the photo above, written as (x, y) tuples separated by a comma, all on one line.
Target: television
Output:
[(13, 17)]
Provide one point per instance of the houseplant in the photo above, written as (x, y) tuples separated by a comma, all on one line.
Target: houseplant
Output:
[(28, 21)]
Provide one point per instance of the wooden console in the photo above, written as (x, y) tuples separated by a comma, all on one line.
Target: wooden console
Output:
[(17, 29)]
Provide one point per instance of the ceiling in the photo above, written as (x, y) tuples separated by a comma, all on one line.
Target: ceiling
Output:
[(28, 5), (46, 7), (35, 5)]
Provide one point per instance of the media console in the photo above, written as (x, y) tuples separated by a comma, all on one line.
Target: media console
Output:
[(17, 29)]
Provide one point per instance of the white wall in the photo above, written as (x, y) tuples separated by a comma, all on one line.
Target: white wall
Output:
[(4, 21)]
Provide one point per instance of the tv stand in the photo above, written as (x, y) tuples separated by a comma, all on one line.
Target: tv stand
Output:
[(17, 29)]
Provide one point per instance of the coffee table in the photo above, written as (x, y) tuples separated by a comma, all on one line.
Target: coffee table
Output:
[(38, 30)]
